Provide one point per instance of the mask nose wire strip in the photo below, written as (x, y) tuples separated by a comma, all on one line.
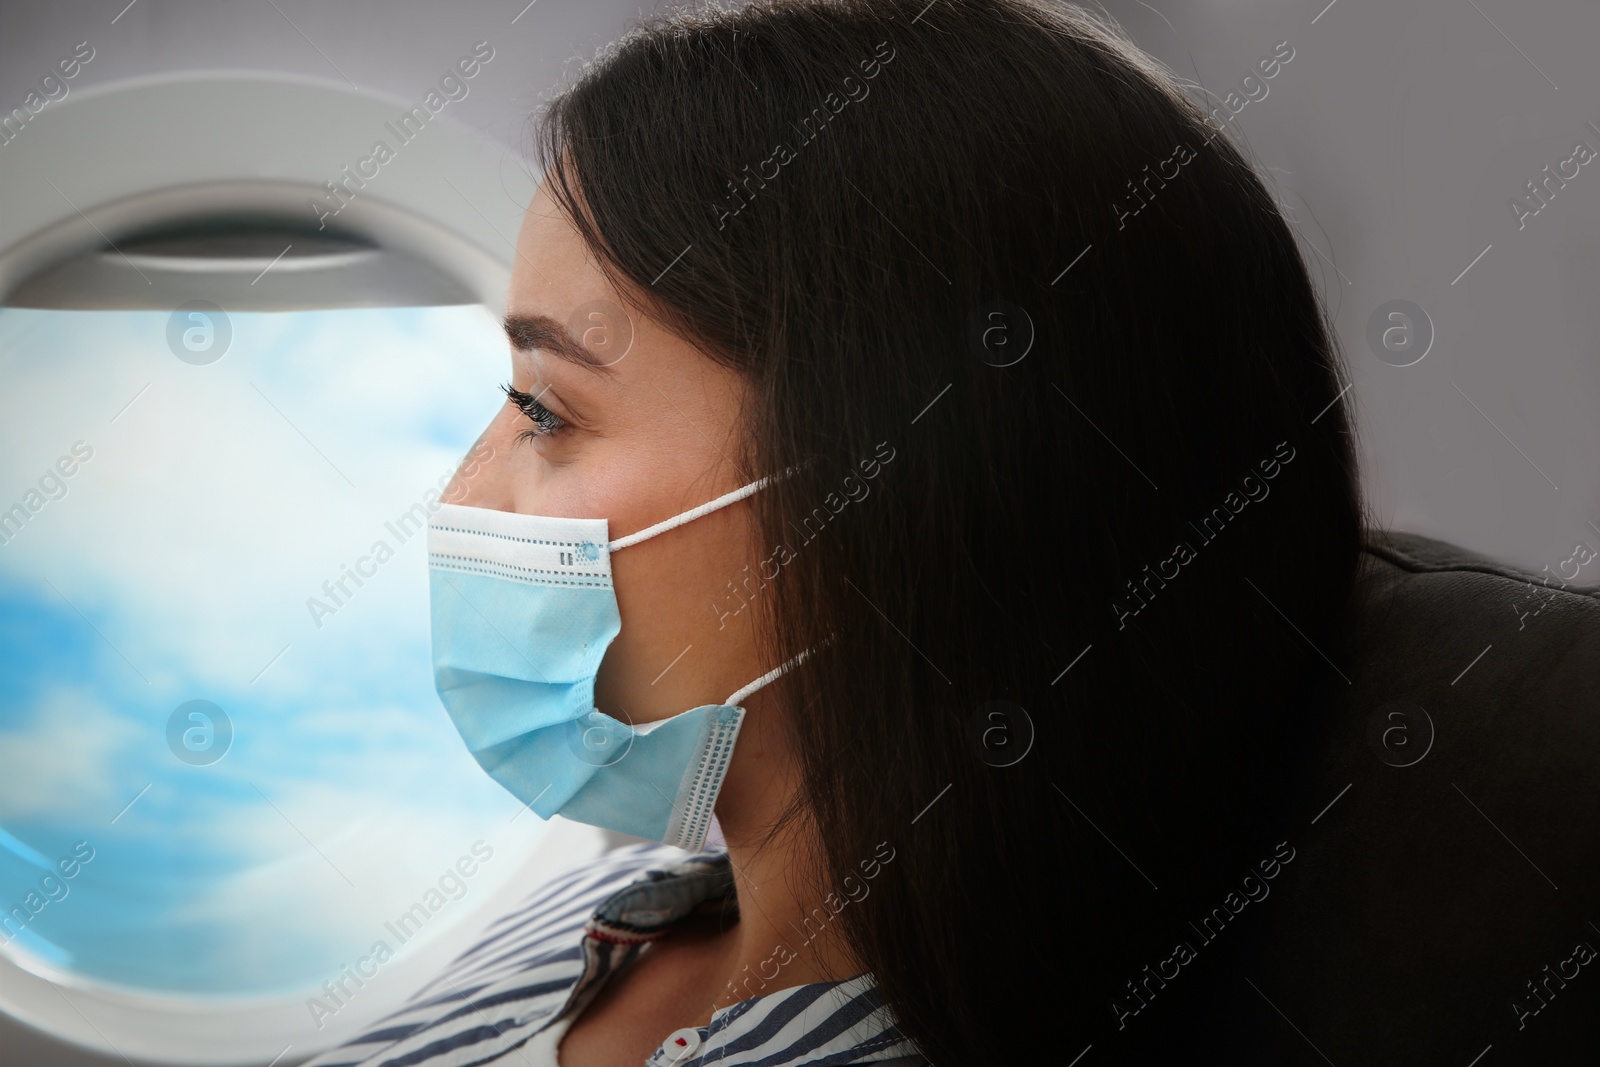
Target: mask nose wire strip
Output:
[(734, 700)]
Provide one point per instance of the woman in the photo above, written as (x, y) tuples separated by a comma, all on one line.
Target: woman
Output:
[(983, 429)]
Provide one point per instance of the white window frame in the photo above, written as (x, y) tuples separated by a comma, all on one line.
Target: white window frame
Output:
[(126, 155)]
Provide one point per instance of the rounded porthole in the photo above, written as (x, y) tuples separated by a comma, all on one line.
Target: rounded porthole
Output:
[(234, 821)]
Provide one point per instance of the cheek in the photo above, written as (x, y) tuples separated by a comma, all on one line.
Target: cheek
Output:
[(688, 605), (679, 572)]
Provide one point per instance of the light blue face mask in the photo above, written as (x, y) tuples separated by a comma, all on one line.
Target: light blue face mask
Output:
[(523, 611)]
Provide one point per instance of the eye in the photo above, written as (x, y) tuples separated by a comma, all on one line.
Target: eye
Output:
[(546, 423)]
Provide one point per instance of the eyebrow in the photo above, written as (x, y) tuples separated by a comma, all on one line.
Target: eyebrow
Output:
[(527, 332)]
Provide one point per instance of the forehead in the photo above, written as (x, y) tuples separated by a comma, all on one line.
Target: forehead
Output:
[(643, 362), (554, 271), (561, 303)]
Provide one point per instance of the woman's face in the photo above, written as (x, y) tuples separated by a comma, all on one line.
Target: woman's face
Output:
[(633, 433)]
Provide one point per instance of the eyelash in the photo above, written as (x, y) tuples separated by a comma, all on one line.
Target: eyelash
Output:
[(546, 422)]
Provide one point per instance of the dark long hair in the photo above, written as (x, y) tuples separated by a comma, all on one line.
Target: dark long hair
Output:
[(1069, 415)]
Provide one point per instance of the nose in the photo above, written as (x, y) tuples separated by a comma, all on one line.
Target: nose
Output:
[(484, 478)]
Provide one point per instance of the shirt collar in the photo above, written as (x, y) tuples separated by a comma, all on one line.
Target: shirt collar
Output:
[(841, 1022), (661, 897)]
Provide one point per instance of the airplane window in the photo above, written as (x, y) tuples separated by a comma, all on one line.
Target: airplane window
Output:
[(223, 769)]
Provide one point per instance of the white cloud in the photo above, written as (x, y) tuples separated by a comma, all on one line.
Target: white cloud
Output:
[(209, 514), (212, 508), (64, 757)]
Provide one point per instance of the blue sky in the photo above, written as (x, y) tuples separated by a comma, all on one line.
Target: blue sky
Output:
[(176, 567)]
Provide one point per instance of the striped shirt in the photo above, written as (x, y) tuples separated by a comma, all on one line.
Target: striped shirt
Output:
[(510, 998)]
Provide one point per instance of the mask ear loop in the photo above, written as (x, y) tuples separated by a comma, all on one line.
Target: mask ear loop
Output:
[(734, 700), (689, 516), (695, 512)]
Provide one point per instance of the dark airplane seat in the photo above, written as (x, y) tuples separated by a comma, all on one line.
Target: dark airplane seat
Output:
[(1443, 900)]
